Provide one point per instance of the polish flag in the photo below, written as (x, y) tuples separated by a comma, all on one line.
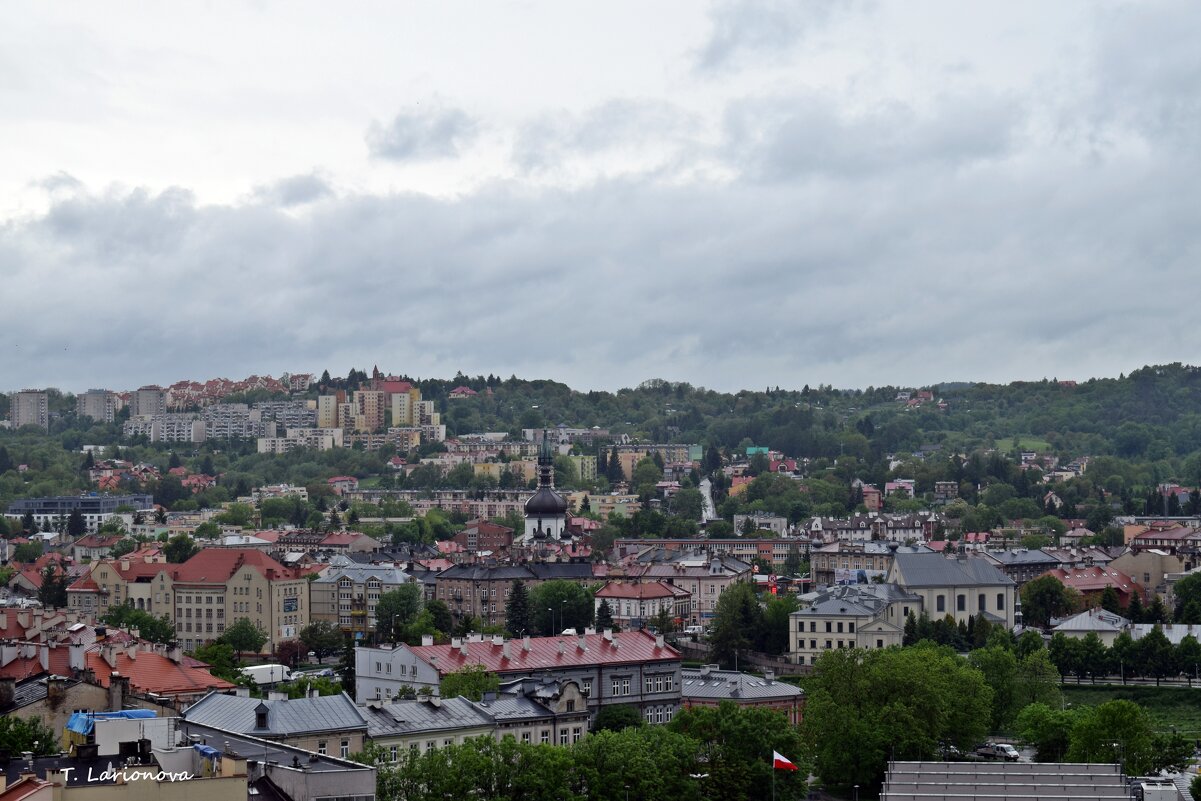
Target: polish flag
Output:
[(780, 763)]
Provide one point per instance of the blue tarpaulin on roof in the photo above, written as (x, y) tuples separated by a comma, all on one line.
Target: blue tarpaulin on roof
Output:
[(207, 750), (84, 722)]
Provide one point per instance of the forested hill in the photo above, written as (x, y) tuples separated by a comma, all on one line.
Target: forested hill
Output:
[(1152, 414)]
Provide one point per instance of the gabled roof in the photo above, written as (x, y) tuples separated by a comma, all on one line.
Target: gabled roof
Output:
[(154, 673), (1096, 619), (427, 715), (936, 570), (284, 717), (717, 685), (217, 565)]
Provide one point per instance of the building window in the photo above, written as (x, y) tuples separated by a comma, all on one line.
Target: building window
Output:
[(829, 644), (941, 603), (395, 753), (563, 737), (851, 627), (345, 748), (829, 627), (321, 747), (571, 705), (545, 738), (981, 600), (625, 686), (586, 689), (879, 643), (813, 645), (1000, 601), (650, 684), (840, 627), (525, 737), (961, 603), (575, 734), (430, 745)]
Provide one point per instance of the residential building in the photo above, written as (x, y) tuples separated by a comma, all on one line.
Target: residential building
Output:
[(221, 585), (845, 562), (708, 686), (959, 587), (30, 407), (1020, 564), (761, 521), (283, 772), (1096, 620), (327, 412), (95, 508), (851, 616), (539, 710), (98, 404), (1091, 583), (482, 591), (144, 584), (484, 535), (94, 546), (326, 724), (634, 606), (705, 577), (148, 400), (369, 410), (774, 552), (585, 466), (631, 667), (321, 439), (1150, 567), (346, 595), (425, 725)]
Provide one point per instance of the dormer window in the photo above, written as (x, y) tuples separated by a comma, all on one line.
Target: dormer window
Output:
[(260, 716)]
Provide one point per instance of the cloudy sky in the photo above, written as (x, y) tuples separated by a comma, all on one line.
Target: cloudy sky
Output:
[(735, 194)]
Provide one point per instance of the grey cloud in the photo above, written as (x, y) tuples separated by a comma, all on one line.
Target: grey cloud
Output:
[(744, 29), (296, 190), (784, 138), (882, 276), (428, 132)]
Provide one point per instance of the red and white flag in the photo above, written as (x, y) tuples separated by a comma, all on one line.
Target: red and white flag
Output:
[(780, 763)]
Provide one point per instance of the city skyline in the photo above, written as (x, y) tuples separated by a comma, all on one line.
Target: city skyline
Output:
[(736, 195)]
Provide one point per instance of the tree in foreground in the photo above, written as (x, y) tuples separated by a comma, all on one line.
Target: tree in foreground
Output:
[(471, 682), (865, 707), (395, 610), (737, 620), (615, 717), (517, 610), (244, 636), (1046, 597), (322, 638)]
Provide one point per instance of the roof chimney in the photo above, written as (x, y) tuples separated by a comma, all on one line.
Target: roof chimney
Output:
[(659, 641), (608, 635), (463, 647), (505, 653), (562, 648), (427, 639), (581, 643), (525, 644), (497, 640)]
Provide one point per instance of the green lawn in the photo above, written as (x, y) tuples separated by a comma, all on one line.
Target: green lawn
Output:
[(1169, 707), (1025, 443)]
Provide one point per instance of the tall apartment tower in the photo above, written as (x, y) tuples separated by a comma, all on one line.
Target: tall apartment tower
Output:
[(98, 404), (149, 399), (30, 407), (327, 412)]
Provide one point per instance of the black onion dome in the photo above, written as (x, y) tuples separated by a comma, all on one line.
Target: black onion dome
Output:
[(546, 503)]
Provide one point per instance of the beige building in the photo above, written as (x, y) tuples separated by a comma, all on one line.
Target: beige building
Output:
[(851, 616), (585, 467), (369, 410), (148, 400), (346, 596), (1150, 568), (327, 412), (98, 404), (30, 407), (221, 585)]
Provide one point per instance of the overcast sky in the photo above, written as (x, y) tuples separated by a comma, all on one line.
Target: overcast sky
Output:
[(734, 195)]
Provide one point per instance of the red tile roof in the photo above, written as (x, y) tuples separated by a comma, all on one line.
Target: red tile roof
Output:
[(638, 592), (217, 565), (154, 673), (626, 647), (1095, 579)]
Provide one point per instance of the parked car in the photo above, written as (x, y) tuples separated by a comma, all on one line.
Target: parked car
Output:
[(1003, 751)]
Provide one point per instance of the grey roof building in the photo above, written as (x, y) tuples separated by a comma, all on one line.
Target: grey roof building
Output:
[(968, 781), (324, 724), (1021, 564), (958, 586), (708, 686), (850, 616)]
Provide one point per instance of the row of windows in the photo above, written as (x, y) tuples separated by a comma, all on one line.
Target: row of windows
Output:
[(830, 644), (208, 627), (940, 602), (659, 714), (179, 611)]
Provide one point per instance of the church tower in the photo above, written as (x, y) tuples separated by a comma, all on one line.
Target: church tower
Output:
[(546, 510)]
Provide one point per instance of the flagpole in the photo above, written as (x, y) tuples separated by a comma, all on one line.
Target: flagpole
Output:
[(773, 776)]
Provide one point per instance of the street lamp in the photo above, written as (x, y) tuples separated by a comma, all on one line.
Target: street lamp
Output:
[(562, 620), (552, 620)]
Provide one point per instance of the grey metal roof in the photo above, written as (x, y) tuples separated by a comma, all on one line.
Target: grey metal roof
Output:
[(385, 574), (284, 717), (252, 747), (729, 684), (507, 707), (1092, 620), (426, 715), (1022, 556), (936, 570), (854, 600)]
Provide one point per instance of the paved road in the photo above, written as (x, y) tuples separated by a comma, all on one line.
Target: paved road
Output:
[(710, 512)]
